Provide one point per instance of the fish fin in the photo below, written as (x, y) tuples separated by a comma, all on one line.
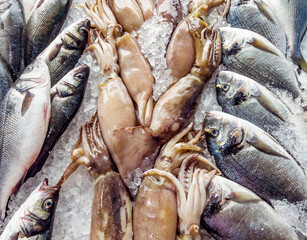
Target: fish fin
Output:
[(301, 62), (267, 10), (258, 43), (26, 102), (132, 145), (39, 3), (270, 102), (53, 54), (300, 235), (243, 197), (265, 142)]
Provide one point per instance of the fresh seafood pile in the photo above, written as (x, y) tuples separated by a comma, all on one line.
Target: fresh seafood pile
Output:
[(192, 126)]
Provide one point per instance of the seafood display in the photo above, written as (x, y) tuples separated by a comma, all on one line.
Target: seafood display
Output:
[(157, 119)]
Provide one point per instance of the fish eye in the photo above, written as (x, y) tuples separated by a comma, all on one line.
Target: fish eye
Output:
[(79, 75), (225, 87), (214, 132), (48, 203)]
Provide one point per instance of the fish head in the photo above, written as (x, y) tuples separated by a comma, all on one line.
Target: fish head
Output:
[(231, 88), (76, 35), (72, 83), (223, 192), (81, 75), (39, 209), (224, 133), (233, 40), (35, 74)]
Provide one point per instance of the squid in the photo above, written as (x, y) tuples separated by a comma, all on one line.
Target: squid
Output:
[(111, 207), (175, 108), (181, 50), (117, 116), (155, 206)]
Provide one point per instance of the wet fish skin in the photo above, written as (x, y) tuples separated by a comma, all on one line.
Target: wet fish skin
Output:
[(258, 16), (5, 78), (65, 50), (11, 35), (249, 156), (293, 16), (254, 56), (235, 213), (66, 98), (34, 219), (24, 118), (43, 24), (244, 98)]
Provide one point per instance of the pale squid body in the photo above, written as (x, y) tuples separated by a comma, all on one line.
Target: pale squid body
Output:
[(127, 13), (171, 10), (147, 8), (175, 108), (117, 116), (137, 76), (135, 70), (111, 207), (155, 208), (180, 54)]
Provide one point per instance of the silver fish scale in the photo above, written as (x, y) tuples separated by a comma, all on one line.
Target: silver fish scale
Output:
[(11, 35), (266, 68), (248, 16), (43, 24), (10, 121), (248, 209), (253, 169)]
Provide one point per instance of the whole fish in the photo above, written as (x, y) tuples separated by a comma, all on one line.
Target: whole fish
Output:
[(24, 119), (258, 16), (233, 212), (43, 24), (244, 98), (64, 52), (34, 219), (6, 81), (254, 56), (11, 35), (66, 98), (249, 156), (293, 16)]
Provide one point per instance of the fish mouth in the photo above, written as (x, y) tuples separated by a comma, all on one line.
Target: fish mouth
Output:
[(49, 190)]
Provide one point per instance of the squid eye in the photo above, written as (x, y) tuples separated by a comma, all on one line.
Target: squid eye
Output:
[(48, 203), (214, 132), (225, 87)]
